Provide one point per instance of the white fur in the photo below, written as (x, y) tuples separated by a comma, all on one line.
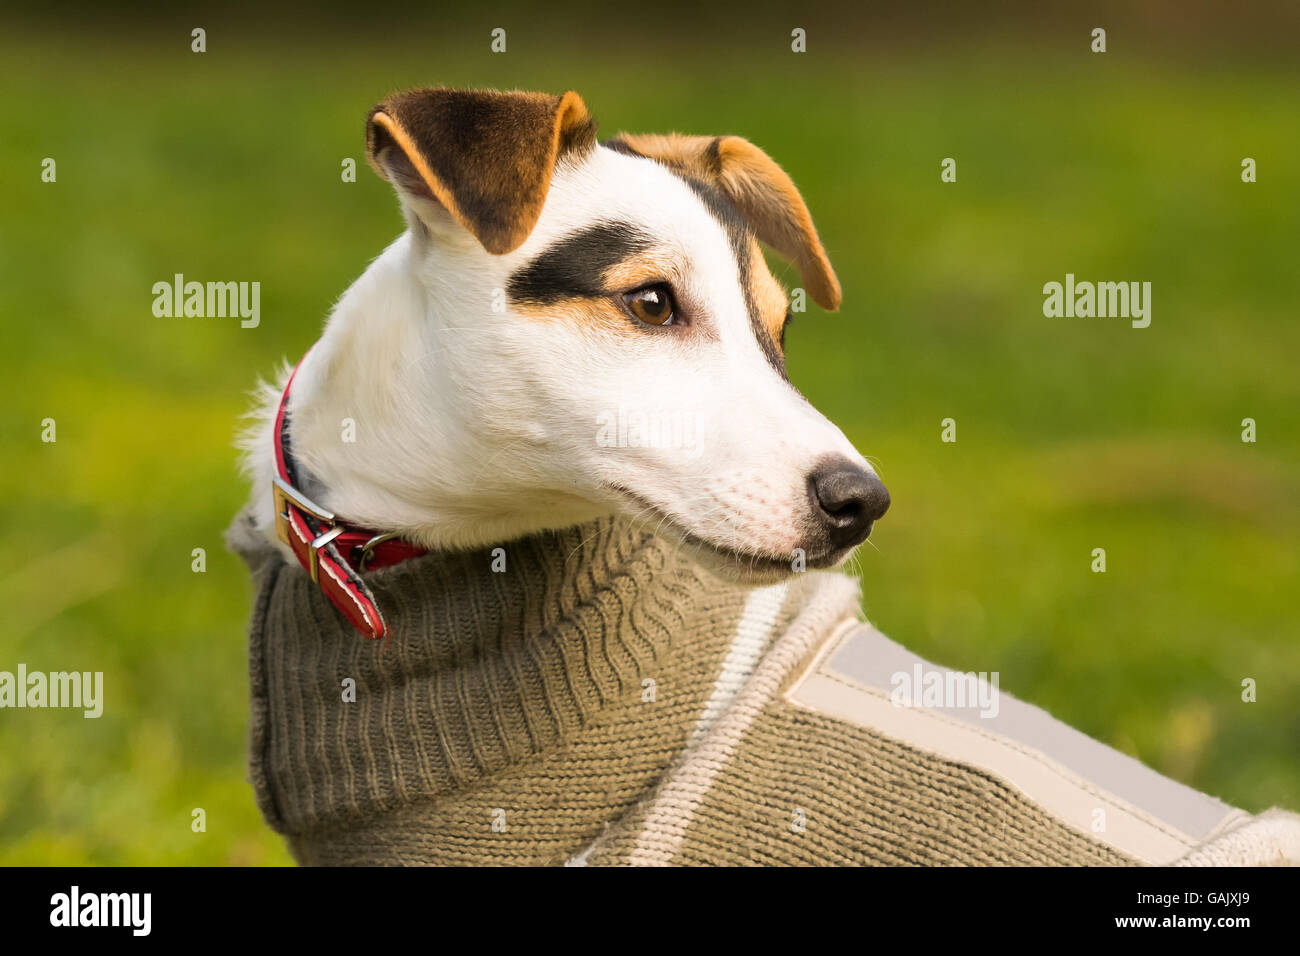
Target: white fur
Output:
[(475, 427)]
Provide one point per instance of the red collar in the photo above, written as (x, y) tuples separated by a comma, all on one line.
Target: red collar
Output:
[(332, 551)]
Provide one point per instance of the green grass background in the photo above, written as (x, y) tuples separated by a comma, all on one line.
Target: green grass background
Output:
[(1072, 434)]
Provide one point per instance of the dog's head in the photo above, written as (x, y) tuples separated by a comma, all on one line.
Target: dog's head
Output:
[(605, 332)]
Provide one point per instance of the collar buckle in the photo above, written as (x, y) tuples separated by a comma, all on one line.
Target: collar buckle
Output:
[(286, 495)]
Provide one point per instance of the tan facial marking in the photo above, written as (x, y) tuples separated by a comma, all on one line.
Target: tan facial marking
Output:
[(654, 265), (600, 316)]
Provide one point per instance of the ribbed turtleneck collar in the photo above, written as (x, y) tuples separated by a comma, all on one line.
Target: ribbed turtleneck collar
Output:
[(498, 657)]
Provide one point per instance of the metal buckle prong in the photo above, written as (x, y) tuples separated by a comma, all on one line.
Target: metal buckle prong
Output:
[(313, 560)]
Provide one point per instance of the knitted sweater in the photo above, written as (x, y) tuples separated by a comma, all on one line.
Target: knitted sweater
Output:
[(592, 696)]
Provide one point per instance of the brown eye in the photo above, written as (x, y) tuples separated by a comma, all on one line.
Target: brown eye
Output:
[(653, 305)]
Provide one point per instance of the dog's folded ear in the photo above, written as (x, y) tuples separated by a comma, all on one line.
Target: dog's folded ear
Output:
[(486, 157), (762, 192)]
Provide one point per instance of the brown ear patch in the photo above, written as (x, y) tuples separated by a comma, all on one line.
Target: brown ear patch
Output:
[(486, 156), (760, 189)]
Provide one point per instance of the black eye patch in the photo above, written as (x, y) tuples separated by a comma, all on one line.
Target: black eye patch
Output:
[(573, 267)]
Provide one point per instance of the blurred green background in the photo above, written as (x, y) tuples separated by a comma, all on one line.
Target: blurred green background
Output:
[(1072, 434)]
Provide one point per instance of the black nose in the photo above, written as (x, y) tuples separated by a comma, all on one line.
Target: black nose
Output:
[(846, 499)]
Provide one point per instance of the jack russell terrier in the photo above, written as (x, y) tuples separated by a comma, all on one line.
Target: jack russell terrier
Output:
[(595, 647)]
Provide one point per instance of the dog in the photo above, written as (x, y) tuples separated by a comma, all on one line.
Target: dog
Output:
[(546, 280), (546, 454)]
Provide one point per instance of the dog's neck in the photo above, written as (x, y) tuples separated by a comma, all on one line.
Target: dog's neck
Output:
[(387, 413)]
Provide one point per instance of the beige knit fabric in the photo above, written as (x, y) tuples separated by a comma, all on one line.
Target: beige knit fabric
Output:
[(1270, 839), (844, 796), (774, 784), (601, 700)]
